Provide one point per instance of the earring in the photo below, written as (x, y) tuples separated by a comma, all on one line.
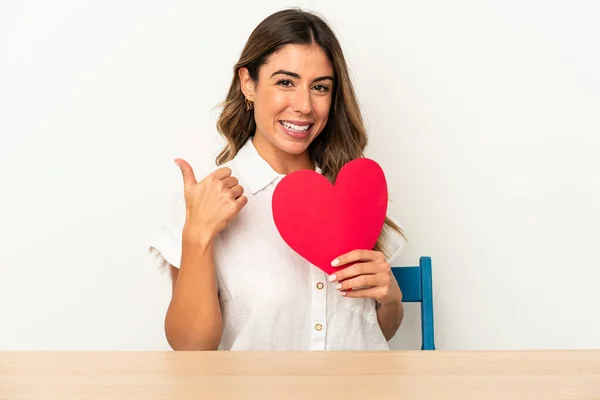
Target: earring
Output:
[(249, 105)]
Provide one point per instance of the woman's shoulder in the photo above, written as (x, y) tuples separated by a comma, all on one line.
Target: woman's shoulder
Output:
[(392, 241)]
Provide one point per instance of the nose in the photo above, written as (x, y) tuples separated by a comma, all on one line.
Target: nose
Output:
[(302, 102)]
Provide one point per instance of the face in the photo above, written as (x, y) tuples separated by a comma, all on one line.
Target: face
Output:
[(291, 98)]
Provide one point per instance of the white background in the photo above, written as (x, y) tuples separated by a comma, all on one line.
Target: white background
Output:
[(484, 115)]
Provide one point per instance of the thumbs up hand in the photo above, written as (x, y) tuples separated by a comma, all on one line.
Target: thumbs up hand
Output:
[(211, 204)]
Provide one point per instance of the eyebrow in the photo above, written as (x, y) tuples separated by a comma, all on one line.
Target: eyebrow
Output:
[(295, 75)]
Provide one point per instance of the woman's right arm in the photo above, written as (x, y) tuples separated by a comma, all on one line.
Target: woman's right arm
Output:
[(193, 320)]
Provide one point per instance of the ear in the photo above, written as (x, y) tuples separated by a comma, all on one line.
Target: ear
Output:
[(246, 83)]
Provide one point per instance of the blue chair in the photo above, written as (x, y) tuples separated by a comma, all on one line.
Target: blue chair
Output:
[(415, 283)]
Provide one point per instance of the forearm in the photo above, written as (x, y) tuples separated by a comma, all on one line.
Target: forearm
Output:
[(390, 317), (193, 320)]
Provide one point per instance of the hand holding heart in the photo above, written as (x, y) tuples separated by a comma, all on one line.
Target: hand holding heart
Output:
[(370, 276), (321, 221)]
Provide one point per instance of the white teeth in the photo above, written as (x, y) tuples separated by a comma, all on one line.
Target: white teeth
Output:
[(295, 128)]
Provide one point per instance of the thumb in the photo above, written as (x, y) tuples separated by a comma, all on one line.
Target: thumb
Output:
[(189, 179)]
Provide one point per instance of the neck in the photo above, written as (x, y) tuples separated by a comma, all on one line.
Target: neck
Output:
[(282, 162)]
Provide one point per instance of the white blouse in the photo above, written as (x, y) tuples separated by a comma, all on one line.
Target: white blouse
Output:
[(271, 298)]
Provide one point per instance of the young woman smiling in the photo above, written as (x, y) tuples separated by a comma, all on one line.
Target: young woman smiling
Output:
[(236, 283)]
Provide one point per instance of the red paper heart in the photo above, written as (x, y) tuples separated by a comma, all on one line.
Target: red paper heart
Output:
[(321, 221)]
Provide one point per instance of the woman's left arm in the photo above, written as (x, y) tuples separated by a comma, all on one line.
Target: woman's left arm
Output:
[(371, 276), (390, 317)]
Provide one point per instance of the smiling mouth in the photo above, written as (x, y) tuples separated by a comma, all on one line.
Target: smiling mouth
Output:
[(296, 131), (300, 129)]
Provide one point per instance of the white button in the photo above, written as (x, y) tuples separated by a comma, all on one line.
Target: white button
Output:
[(320, 285)]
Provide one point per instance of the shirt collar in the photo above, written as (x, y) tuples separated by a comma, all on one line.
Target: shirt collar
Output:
[(255, 170)]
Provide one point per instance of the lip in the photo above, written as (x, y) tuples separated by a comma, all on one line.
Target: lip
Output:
[(297, 135), (299, 123)]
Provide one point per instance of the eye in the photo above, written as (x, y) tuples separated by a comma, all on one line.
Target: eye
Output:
[(322, 88), (284, 83)]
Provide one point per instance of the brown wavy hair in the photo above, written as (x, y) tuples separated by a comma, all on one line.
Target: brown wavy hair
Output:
[(343, 138)]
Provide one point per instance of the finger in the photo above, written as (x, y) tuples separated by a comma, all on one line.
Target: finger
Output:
[(222, 173), (189, 179), (236, 191), (241, 202), (354, 270), (355, 256), (359, 282), (230, 182)]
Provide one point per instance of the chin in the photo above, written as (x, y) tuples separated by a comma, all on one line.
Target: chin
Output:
[(293, 146)]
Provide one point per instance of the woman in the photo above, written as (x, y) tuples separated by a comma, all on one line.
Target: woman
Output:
[(236, 284)]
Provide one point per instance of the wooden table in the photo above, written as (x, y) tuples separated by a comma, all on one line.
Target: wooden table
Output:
[(305, 375)]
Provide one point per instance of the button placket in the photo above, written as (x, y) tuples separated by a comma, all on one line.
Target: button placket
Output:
[(319, 308)]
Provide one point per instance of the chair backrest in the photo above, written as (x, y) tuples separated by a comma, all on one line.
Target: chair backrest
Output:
[(415, 283)]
